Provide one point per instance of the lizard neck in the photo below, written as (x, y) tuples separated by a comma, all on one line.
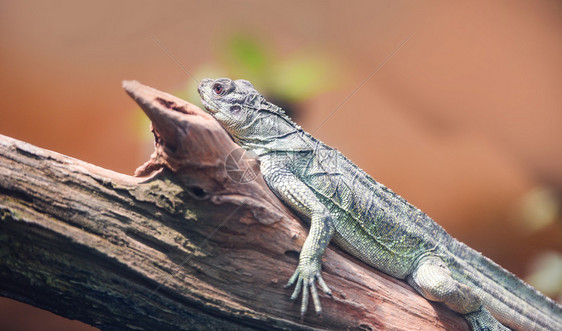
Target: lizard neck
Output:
[(275, 132)]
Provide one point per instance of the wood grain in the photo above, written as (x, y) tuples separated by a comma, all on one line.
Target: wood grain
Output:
[(182, 246)]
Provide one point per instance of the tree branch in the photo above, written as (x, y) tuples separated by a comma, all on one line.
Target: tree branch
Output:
[(183, 247)]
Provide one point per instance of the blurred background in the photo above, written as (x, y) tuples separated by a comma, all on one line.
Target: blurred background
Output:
[(455, 106)]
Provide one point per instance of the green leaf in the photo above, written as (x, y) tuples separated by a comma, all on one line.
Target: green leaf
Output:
[(247, 55), (302, 76)]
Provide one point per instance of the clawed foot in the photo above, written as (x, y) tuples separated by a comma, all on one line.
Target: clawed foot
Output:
[(305, 278), (482, 320)]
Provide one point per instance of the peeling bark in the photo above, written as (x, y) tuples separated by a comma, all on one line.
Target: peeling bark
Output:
[(182, 246)]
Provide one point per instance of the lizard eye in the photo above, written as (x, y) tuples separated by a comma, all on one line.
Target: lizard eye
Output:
[(218, 88)]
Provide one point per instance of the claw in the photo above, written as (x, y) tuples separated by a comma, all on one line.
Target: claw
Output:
[(315, 298), (304, 304), (297, 290), (293, 278), (306, 283), (323, 286)]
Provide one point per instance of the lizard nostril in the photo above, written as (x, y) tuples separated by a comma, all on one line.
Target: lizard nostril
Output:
[(204, 81)]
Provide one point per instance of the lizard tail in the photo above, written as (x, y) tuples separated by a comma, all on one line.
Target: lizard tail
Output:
[(512, 301)]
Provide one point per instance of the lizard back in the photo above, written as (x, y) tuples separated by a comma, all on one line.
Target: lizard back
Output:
[(398, 232)]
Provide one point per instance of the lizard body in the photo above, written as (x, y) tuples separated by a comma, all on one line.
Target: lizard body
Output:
[(341, 202)]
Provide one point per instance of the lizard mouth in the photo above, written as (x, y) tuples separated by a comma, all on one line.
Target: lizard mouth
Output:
[(208, 107)]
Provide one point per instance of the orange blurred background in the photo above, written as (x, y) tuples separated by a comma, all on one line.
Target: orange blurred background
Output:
[(455, 106)]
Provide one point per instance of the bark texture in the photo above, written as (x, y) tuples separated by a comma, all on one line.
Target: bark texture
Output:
[(184, 245)]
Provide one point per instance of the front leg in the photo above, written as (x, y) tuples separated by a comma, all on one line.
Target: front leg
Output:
[(300, 197)]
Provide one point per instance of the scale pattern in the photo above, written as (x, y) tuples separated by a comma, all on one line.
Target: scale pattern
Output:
[(341, 202)]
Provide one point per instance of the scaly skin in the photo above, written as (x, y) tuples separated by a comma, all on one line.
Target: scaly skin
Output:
[(340, 201)]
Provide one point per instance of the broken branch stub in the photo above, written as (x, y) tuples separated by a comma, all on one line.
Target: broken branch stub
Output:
[(184, 246)]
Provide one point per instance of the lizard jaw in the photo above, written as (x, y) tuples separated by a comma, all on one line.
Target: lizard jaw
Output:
[(208, 107)]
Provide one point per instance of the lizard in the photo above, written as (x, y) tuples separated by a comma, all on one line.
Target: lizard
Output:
[(343, 204)]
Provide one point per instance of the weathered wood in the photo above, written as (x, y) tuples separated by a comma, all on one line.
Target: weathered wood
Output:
[(184, 247)]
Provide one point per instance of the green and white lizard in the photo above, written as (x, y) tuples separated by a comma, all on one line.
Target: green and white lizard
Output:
[(342, 203)]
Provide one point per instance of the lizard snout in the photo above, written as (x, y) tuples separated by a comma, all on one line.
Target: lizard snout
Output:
[(203, 82)]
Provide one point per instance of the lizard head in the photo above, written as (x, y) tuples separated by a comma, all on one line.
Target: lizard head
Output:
[(234, 103)]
